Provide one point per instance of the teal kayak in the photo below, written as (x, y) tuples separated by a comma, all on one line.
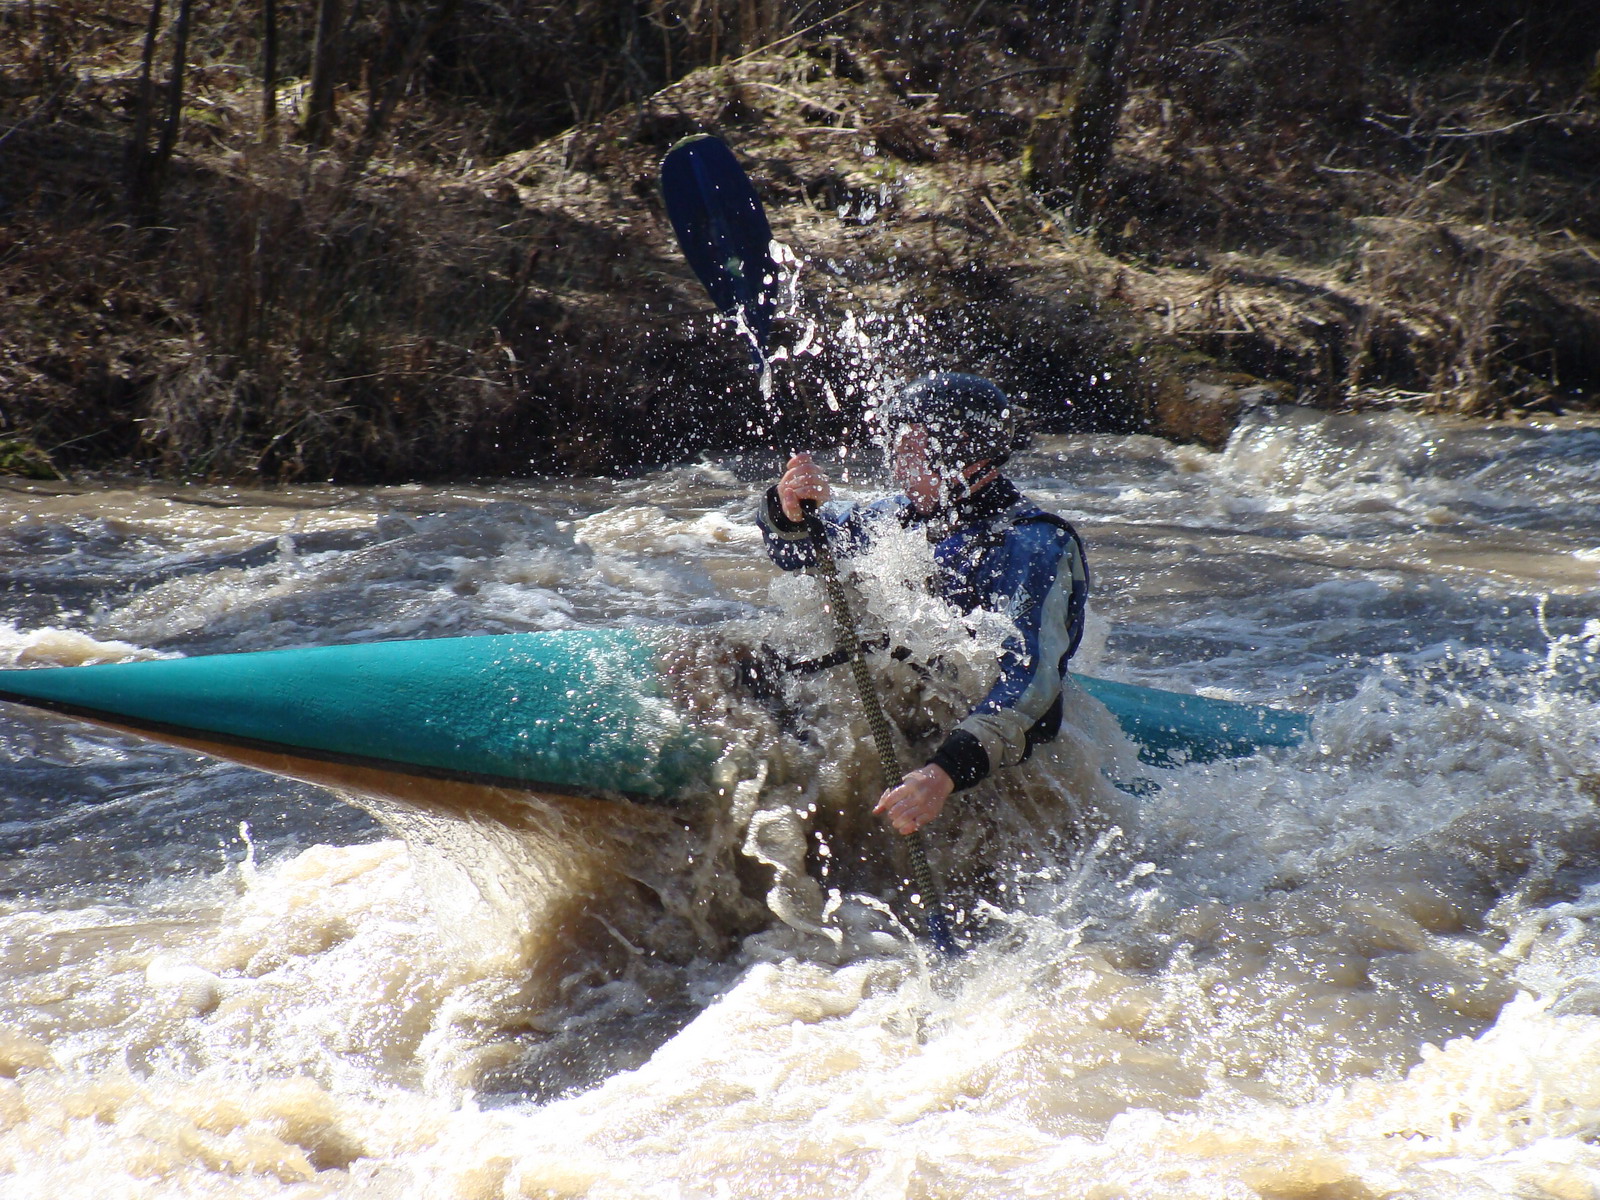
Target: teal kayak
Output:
[(572, 712), (1172, 728)]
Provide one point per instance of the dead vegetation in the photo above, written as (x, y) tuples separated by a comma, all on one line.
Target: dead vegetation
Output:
[(1346, 203)]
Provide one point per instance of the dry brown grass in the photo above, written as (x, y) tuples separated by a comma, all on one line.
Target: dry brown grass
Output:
[(1282, 202)]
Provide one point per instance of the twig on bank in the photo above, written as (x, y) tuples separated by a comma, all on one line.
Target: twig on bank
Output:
[(1413, 133), (1578, 242), (764, 49), (789, 37), (1476, 133), (978, 87), (983, 198), (1327, 170), (799, 98)]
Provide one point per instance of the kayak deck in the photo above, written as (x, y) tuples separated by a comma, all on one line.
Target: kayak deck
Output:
[(565, 713), (576, 712)]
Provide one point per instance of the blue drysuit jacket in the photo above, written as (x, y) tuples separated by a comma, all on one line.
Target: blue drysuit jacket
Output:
[(1001, 553)]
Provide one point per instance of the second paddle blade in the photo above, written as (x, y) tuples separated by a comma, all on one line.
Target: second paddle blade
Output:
[(722, 230)]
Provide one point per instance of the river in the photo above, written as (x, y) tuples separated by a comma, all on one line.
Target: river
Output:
[(1367, 966)]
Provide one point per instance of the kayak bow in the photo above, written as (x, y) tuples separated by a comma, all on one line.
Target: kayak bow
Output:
[(578, 713)]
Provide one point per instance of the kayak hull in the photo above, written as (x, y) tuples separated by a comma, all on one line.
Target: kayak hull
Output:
[(1172, 728), (380, 787), (580, 712), (477, 722)]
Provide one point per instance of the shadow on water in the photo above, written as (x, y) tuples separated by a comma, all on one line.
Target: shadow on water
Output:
[(577, 1060), (96, 815)]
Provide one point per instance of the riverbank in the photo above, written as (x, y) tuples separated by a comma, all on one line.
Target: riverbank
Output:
[(1307, 209)]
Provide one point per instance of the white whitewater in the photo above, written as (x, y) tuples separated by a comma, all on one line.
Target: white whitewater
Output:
[(1366, 967)]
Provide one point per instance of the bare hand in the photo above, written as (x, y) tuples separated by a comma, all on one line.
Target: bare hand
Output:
[(917, 800), (802, 480)]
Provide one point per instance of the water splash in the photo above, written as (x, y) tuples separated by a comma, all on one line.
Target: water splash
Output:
[(1364, 967)]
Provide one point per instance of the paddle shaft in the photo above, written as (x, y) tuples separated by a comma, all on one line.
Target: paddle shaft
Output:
[(724, 234), (929, 893)]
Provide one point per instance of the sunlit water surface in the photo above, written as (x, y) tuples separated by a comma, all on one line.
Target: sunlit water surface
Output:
[(1369, 966)]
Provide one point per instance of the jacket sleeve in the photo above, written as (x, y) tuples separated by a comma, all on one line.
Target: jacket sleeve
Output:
[(1049, 586), (788, 543)]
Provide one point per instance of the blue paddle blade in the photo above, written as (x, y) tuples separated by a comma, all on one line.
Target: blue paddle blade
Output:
[(722, 230)]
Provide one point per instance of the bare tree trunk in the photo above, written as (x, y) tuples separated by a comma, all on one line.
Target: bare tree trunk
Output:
[(149, 168), (1068, 150), (144, 105), (379, 112), (269, 71), (318, 127), (174, 117)]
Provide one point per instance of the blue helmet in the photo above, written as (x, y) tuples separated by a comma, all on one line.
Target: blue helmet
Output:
[(968, 418)]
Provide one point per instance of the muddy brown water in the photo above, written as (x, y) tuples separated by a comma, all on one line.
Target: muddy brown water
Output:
[(1368, 966)]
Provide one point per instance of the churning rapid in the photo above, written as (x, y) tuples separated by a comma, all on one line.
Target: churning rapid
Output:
[(1367, 966)]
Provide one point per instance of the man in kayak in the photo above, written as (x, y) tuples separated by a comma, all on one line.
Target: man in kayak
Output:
[(946, 436)]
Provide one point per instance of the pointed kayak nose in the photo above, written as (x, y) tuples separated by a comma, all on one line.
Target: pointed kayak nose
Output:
[(581, 711)]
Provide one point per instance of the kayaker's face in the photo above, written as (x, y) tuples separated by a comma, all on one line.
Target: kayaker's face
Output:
[(912, 473), (920, 480)]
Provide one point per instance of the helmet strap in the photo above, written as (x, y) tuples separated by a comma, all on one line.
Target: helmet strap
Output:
[(961, 485)]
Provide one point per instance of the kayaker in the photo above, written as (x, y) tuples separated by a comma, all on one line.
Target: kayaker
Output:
[(946, 436)]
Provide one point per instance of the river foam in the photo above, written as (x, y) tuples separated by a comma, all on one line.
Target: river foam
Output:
[(1367, 966)]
